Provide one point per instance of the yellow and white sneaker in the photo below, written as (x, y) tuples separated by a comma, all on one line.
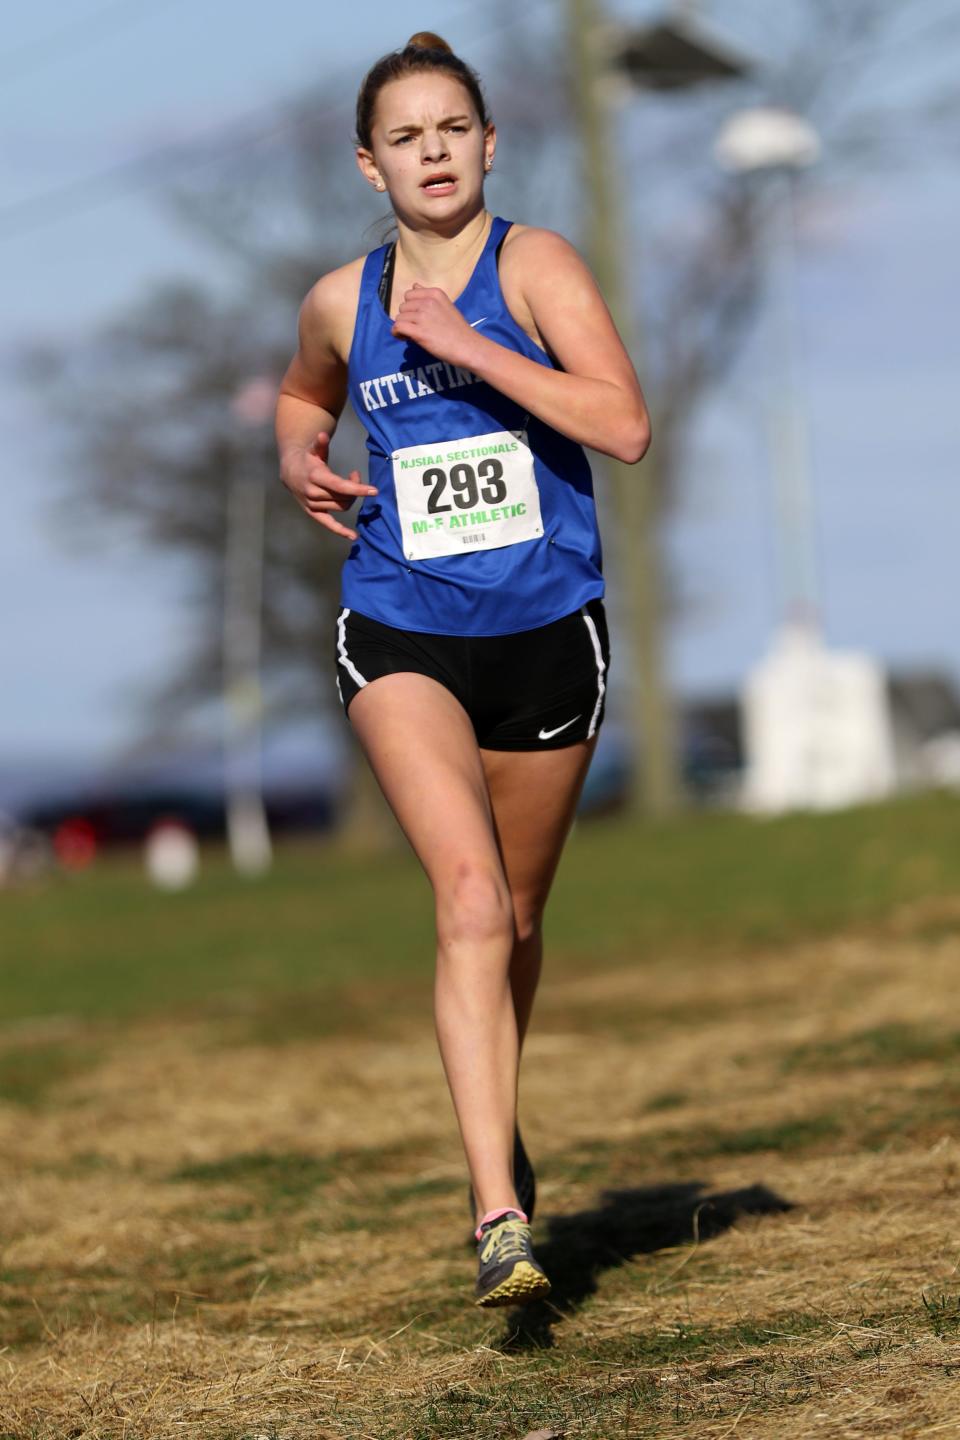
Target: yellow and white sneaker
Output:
[(509, 1273)]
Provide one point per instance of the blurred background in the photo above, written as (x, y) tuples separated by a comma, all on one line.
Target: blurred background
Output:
[(220, 1093), (770, 199)]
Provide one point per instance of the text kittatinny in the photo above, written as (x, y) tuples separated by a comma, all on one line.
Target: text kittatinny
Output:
[(412, 384)]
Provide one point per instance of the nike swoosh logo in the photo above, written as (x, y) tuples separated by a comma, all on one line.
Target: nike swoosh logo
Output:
[(549, 734), (475, 323)]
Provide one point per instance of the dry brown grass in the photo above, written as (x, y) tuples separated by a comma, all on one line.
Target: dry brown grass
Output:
[(202, 1237)]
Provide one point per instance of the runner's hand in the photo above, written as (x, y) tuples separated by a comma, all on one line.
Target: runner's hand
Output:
[(428, 316), (317, 489)]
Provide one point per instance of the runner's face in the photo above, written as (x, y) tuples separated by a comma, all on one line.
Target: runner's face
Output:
[(429, 147)]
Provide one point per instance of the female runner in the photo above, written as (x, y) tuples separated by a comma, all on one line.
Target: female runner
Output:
[(472, 650)]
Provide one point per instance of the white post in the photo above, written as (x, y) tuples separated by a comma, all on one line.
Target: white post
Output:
[(777, 144), (816, 722), (789, 444), (248, 834)]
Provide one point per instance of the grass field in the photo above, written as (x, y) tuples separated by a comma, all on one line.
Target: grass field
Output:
[(225, 1131)]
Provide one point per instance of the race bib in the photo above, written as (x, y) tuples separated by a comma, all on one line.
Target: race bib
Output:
[(463, 495)]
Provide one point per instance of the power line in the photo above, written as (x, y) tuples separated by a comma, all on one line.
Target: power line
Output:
[(74, 197), (81, 32)]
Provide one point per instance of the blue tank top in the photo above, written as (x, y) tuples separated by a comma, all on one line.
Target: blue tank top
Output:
[(405, 399)]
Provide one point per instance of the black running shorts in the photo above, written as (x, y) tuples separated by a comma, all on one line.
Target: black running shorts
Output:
[(536, 689)]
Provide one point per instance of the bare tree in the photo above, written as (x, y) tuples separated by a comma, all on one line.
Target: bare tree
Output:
[(145, 401)]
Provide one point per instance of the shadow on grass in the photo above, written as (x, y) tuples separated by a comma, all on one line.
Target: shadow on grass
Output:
[(631, 1222)]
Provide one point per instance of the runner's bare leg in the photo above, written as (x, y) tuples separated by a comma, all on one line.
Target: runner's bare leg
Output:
[(534, 796), (423, 751)]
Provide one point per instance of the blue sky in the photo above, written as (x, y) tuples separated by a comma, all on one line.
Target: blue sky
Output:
[(879, 363)]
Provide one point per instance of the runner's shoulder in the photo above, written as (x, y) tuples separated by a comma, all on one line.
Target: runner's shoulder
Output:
[(529, 249), (329, 308)]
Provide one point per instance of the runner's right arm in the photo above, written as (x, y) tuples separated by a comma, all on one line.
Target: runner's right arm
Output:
[(312, 394)]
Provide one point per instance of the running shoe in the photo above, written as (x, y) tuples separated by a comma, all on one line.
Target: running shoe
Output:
[(523, 1178), (509, 1273)]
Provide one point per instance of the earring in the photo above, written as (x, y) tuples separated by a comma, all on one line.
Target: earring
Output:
[(380, 185), (488, 166)]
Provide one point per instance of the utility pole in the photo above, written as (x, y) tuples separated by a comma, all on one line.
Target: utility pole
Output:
[(655, 784)]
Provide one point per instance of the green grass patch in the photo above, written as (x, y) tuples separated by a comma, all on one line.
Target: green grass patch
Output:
[(667, 1100), (29, 1073), (620, 1161), (916, 1115), (282, 1179), (104, 944), (884, 1045), (639, 1384), (284, 1175), (230, 1214), (683, 1342), (420, 1189), (384, 1006), (788, 1137), (29, 1316), (943, 1313), (714, 880)]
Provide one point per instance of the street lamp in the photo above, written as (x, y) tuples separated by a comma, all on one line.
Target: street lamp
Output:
[(777, 143), (674, 54), (816, 721), (248, 835)]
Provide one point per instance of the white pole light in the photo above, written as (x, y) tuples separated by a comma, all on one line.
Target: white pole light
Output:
[(763, 137)]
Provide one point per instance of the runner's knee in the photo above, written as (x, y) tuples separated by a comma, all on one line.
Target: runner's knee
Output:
[(474, 907)]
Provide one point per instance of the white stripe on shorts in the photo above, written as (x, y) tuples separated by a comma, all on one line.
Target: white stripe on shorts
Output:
[(344, 658), (601, 687)]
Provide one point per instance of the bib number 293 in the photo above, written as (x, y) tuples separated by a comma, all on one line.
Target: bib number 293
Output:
[(479, 493), (467, 486)]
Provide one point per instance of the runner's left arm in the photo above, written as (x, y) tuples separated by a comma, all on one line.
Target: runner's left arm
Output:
[(595, 397)]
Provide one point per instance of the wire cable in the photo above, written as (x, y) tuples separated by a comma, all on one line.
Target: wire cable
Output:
[(75, 197), (81, 32)]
